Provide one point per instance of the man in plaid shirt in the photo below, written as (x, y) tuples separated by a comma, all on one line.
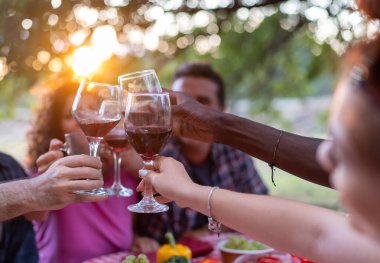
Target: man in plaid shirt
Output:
[(207, 164)]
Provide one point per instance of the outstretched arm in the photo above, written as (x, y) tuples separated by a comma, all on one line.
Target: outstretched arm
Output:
[(290, 152), (295, 154), (313, 232), (53, 189)]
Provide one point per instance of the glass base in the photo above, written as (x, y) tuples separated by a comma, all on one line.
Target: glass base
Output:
[(148, 205), (99, 191), (119, 191)]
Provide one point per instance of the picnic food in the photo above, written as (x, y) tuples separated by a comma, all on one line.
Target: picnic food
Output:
[(172, 252), (141, 258), (241, 243)]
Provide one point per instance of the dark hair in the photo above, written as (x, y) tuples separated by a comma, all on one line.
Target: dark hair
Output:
[(202, 70), (46, 123)]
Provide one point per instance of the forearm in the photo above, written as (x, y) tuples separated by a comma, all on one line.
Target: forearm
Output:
[(16, 198), (295, 154), (317, 233)]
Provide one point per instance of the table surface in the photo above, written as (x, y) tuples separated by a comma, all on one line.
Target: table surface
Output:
[(212, 239)]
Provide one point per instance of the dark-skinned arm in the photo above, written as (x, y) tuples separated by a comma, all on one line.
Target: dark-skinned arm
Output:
[(295, 154)]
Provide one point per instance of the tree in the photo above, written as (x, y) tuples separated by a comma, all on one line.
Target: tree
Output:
[(41, 37)]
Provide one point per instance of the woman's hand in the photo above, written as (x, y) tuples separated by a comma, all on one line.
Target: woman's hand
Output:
[(170, 180), (45, 160)]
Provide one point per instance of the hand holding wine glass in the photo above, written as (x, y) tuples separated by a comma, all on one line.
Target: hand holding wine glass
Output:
[(97, 109), (148, 127)]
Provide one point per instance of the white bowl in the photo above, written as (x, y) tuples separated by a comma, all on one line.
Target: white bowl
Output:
[(229, 254), (221, 247)]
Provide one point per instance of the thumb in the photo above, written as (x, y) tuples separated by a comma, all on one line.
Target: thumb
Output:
[(147, 175)]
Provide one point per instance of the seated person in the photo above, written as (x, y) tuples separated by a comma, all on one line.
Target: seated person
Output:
[(17, 243), (80, 231), (51, 190), (207, 164)]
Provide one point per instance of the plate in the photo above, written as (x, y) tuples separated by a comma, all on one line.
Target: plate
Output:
[(283, 257)]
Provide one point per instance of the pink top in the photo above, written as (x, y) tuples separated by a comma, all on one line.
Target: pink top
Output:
[(85, 230)]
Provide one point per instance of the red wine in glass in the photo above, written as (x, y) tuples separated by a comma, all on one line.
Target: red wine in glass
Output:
[(97, 128), (148, 141), (117, 140)]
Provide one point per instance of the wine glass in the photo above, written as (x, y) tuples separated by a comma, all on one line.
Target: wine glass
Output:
[(139, 81), (97, 109), (148, 127), (117, 141)]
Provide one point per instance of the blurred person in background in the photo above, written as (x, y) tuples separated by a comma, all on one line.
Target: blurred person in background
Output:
[(79, 231), (209, 164)]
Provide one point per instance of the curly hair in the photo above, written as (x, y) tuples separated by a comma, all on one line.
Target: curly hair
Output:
[(46, 122)]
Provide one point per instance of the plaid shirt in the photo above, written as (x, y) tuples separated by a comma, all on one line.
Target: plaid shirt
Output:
[(228, 168)]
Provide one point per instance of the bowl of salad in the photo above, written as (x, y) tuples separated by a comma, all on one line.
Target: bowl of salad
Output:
[(237, 245)]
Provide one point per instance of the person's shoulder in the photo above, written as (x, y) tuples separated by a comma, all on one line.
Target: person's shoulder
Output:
[(7, 160)]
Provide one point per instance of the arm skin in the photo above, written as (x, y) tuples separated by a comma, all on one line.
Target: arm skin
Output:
[(16, 198), (316, 233), (295, 154), (309, 231)]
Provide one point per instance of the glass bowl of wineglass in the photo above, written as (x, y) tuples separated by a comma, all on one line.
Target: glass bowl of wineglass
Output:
[(140, 81)]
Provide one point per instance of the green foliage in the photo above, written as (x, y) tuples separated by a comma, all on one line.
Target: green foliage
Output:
[(258, 63), (267, 63)]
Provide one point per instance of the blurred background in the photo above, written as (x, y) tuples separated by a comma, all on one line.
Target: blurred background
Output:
[(278, 58)]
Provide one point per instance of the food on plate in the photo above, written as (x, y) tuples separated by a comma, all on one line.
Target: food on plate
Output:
[(141, 258), (172, 252), (241, 243)]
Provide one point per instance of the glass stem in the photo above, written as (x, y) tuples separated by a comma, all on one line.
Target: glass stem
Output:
[(117, 167), (94, 145), (148, 191)]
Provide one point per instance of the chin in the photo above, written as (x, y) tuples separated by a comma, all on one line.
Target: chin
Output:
[(363, 226)]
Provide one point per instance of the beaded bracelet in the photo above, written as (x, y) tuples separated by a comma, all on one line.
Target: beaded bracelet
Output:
[(213, 225)]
